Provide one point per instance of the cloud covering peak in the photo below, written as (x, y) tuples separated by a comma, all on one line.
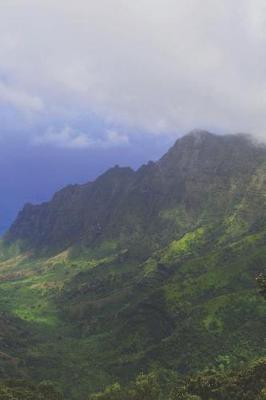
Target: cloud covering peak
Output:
[(160, 66)]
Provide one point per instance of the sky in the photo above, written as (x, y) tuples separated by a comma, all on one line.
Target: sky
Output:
[(88, 84)]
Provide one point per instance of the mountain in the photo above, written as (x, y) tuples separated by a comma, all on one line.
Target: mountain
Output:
[(151, 270), (202, 176)]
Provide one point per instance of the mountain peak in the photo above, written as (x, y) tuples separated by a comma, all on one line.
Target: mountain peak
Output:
[(199, 133), (123, 202), (197, 137)]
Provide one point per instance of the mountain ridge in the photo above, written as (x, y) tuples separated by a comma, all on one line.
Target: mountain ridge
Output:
[(86, 213), (151, 270)]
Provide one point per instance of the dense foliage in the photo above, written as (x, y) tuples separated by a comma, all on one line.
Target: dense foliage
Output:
[(149, 274), (261, 280), (24, 390), (249, 383)]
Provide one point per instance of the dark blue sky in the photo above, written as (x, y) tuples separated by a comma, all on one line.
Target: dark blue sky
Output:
[(33, 173)]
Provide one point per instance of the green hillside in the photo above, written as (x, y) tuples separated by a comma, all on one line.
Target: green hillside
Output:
[(151, 272)]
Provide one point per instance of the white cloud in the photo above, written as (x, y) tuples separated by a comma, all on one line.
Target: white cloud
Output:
[(73, 139), (116, 138), (157, 65), (19, 99), (66, 138)]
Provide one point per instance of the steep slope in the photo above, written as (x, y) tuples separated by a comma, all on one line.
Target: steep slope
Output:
[(201, 177), (139, 271)]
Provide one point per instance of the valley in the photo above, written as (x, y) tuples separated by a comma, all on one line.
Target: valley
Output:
[(150, 271)]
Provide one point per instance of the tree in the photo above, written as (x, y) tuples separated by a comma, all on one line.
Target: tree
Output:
[(261, 282)]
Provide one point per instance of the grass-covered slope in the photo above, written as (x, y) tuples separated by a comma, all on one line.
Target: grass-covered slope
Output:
[(90, 321), (154, 270)]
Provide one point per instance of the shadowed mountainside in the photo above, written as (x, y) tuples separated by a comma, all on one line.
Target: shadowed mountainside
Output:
[(203, 176)]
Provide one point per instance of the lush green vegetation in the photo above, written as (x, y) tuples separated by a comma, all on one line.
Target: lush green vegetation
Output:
[(248, 383), (166, 291), (24, 390), (174, 311), (261, 281)]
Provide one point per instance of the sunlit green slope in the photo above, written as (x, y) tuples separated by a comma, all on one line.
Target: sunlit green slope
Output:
[(96, 287)]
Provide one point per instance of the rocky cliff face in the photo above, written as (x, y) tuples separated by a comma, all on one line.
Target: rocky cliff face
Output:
[(200, 179)]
